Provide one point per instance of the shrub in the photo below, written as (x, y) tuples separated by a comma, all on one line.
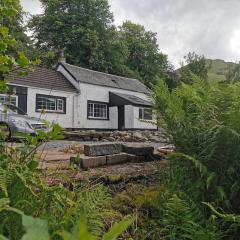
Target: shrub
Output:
[(203, 121)]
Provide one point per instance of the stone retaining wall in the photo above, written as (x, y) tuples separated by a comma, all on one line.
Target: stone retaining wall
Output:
[(157, 136)]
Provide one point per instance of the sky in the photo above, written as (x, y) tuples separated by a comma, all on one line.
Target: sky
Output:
[(208, 27)]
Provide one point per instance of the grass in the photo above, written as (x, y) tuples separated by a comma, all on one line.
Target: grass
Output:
[(219, 69)]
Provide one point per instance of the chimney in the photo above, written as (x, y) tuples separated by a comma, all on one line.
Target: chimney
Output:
[(62, 56)]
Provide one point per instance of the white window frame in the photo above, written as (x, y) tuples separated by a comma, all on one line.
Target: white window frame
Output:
[(91, 114), (143, 109), (6, 96), (52, 98)]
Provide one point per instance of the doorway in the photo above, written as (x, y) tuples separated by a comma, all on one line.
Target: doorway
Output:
[(121, 118)]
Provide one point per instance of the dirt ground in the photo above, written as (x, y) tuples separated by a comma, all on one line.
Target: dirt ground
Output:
[(54, 158)]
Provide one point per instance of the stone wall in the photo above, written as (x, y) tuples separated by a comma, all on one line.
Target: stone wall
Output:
[(145, 136)]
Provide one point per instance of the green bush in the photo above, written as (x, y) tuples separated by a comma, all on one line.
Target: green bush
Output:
[(203, 121)]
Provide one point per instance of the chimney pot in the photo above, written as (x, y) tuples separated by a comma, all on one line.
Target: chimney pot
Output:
[(62, 56)]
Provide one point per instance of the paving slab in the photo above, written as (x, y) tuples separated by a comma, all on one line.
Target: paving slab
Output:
[(102, 149)]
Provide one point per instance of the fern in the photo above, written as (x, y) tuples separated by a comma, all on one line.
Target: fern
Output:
[(93, 201), (183, 220), (203, 121)]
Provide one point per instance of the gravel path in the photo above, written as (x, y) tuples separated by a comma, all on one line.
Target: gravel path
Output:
[(57, 145)]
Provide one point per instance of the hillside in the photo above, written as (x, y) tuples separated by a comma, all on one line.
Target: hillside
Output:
[(219, 69)]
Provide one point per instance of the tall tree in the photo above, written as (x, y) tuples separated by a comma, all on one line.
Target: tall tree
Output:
[(84, 28), (17, 30), (195, 65), (145, 61), (11, 60)]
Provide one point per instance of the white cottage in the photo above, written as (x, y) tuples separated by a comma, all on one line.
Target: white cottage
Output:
[(80, 98)]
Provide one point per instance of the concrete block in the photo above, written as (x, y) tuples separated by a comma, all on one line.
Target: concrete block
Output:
[(138, 150), (87, 162), (136, 159), (102, 149), (119, 158)]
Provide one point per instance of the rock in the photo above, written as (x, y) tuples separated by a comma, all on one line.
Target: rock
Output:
[(122, 134), (102, 149), (87, 138), (138, 135), (154, 138), (166, 149), (92, 162), (138, 150), (117, 158), (110, 139), (128, 138)]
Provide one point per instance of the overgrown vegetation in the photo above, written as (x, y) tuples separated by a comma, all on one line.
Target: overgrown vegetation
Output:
[(203, 122), (29, 208), (197, 197)]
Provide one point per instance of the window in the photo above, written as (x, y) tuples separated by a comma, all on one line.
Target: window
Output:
[(145, 114), (97, 110), (50, 103), (9, 99)]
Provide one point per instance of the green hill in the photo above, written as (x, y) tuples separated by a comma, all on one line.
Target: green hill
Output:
[(218, 69)]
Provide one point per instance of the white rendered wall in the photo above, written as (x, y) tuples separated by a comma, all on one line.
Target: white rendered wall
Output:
[(139, 124), (65, 120), (101, 94)]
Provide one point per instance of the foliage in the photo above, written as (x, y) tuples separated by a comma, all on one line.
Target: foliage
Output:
[(29, 207), (203, 123), (8, 61), (183, 220), (219, 69), (145, 61), (25, 188), (85, 31), (141, 202), (83, 28), (233, 74), (37, 229), (17, 30), (196, 66)]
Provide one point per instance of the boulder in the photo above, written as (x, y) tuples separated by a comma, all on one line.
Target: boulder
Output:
[(138, 150), (92, 162), (102, 149)]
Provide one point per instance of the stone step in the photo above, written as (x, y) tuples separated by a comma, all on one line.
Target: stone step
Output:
[(119, 158), (87, 162), (138, 150), (122, 158)]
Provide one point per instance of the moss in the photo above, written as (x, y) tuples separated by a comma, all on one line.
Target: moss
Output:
[(142, 202)]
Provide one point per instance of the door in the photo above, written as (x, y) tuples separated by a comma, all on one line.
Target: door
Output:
[(121, 118)]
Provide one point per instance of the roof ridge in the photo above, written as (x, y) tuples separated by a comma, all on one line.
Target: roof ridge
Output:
[(108, 74)]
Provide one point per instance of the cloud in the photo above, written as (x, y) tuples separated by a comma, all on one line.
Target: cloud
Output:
[(31, 6), (206, 27), (209, 27)]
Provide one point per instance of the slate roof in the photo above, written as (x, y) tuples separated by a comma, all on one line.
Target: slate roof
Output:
[(103, 79), (44, 78), (127, 99)]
